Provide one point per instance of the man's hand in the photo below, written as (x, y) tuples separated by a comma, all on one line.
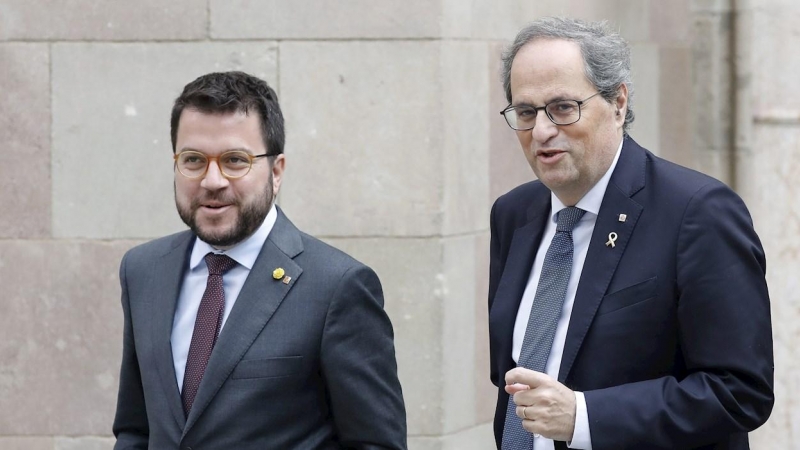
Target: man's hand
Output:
[(546, 407)]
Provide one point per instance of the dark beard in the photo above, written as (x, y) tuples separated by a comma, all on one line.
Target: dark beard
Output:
[(250, 217)]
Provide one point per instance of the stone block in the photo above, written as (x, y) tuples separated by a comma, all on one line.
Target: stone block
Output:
[(62, 336), (413, 278), (772, 169), (484, 19), (459, 338), (710, 6), (103, 20), (776, 62), (485, 392), (474, 438), (321, 19), (112, 155), (670, 22), (712, 80), (25, 128), (84, 443), (26, 443), (675, 117), (463, 123), (364, 137), (630, 17), (508, 167), (646, 102), (431, 289)]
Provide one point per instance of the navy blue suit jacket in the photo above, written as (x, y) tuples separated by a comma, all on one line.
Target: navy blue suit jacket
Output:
[(670, 336)]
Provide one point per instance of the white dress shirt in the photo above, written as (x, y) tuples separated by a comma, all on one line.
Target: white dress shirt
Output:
[(194, 285), (581, 235)]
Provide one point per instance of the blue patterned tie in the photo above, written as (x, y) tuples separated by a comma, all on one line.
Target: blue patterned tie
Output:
[(546, 311)]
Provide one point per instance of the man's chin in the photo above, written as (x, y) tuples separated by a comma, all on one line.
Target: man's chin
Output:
[(217, 236)]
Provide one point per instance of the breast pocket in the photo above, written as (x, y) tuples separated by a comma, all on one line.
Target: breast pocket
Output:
[(629, 296), (283, 366)]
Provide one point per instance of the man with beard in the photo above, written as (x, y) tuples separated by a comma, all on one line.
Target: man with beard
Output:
[(244, 332)]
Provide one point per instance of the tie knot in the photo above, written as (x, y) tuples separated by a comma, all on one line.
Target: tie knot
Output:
[(568, 217), (219, 264)]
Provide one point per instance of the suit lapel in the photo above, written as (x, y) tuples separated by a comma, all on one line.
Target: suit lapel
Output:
[(168, 273), (258, 300), (602, 259), (516, 272)]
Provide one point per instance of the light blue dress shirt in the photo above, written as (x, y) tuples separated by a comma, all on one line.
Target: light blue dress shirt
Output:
[(194, 285), (581, 235)]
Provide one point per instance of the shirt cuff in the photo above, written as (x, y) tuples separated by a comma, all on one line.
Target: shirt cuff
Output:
[(581, 436)]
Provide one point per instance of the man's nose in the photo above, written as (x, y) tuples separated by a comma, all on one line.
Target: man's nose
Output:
[(544, 128), (213, 179)]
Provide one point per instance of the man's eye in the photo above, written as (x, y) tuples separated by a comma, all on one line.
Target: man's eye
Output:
[(236, 160), (193, 159), (563, 107), (526, 113)]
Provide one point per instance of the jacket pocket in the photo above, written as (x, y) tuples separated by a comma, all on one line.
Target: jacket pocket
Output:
[(628, 296), (282, 366)]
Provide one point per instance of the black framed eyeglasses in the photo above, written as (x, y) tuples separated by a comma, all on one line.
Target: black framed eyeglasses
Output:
[(232, 164), (560, 112)]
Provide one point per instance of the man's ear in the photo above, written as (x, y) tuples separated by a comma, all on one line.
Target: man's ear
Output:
[(621, 104), (278, 166)]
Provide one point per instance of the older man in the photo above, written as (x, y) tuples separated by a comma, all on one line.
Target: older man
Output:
[(243, 332), (628, 304)]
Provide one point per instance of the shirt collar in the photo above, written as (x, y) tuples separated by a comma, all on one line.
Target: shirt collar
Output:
[(594, 198), (245, 252)]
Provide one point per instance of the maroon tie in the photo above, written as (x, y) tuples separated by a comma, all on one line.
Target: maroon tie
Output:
[(206, 327)]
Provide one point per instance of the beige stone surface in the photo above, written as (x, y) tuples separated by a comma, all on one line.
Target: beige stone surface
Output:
[(775, 87), (26, 443), (321, 19), (102, 20), (480, 437), (61, 325), (676, 116), (670, 22), (508, 167), (364, 140), (25, 132), (713, 99), (463, 334), (433, 293), (112, 156), (485, 19), (774, 203), (646, 101), (465, 85), (84, 443), (412, 275), (485, 392), (631, 17)]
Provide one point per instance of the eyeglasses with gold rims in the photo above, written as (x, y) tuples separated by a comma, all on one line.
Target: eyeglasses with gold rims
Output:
[(560, 112), (232, 164)]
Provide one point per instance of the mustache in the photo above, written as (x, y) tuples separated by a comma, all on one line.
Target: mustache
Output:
[(218, 198)]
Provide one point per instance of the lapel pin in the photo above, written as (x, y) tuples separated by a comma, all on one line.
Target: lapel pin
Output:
[(623, 217), (286, 279), (612, 238), (278, 273)]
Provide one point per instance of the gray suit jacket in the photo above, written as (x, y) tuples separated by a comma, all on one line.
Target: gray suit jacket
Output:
[(304, 365)]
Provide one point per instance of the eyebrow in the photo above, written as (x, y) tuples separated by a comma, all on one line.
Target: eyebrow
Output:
[(235, 149), (557, 98)]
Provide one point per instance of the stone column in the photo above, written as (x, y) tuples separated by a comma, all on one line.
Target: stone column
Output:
[(768, 167)]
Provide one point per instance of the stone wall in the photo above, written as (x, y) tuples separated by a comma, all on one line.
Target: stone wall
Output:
[(395, 152)]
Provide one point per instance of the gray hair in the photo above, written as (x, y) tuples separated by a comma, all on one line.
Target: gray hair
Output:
[(606, 55)]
